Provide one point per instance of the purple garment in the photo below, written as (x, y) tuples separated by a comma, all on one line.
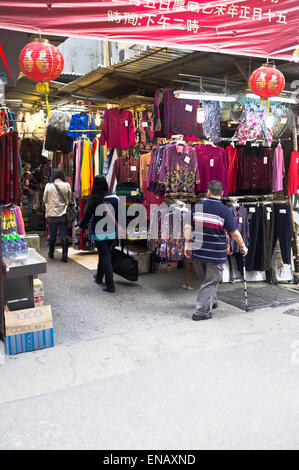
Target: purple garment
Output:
[(240, 216), (180, 117), (278, 170), (77, 185), (179, 170), (212, 164)]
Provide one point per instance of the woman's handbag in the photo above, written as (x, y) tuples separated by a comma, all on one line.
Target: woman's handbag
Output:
[(71, 213), (124, 265)]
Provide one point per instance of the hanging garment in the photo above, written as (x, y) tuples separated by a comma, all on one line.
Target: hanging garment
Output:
[(86, 169), (81, 121), (211, 124), (212, 165), (240, 216), (293, 173), (255, 168), (283, 231), (118, 129), (253, 124), (57, 140), (232, 168), (9, 167), (278, 170), (149, 198), (268, 235), (254, 258), (180, 117), (145, 160), (147, 140), (126, 169), (179, 170)]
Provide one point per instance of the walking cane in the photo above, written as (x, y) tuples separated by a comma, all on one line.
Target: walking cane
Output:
[(245, 282)]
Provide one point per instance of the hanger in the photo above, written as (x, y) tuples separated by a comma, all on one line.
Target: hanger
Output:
[(210, 142), (279, 143)]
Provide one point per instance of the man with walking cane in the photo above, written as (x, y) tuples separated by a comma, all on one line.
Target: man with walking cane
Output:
[(214, 218)]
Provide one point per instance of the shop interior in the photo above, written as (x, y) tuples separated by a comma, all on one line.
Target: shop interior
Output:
[(118, 121)]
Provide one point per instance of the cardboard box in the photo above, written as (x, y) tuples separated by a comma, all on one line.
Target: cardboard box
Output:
[(28, 330), (38, 288), (33, 241), (38, 301)]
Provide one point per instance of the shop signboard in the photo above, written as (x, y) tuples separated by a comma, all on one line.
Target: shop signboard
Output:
[(262, 28)]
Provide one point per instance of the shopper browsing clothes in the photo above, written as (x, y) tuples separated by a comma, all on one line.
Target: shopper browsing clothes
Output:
[(57, 196), (103, 234), (214, 218)]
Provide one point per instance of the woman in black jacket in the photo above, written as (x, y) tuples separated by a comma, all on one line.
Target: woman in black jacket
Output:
[(104, 229)]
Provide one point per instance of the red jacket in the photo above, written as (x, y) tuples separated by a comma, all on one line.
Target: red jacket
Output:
[(293, 175)]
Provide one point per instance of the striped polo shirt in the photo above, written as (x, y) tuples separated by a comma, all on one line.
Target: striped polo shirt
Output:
[(215, 217)]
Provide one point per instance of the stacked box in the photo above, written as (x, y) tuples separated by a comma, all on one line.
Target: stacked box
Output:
[(28, 330), (38, 292), (33, 241)]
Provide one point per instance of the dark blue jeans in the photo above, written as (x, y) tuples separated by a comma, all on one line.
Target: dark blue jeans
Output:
[(105, 265), (53, 229)]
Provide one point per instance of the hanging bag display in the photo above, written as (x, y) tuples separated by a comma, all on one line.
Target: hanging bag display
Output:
[(71, 213)]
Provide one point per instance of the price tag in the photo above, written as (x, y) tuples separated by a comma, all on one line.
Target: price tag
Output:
[(212, 162), (252, 209), (268, 216), (297, 160), (265, 160), (126, 123), (144, 124), (133, 168), (241, 220), (282, 211), (269, 209), (189, 108), (134, 193), (187, 159)]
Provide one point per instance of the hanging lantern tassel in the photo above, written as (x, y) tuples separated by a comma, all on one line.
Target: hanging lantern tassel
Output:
[(43, 87), (266, 101)]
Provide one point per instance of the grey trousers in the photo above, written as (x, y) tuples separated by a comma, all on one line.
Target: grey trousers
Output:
[(210, 275)]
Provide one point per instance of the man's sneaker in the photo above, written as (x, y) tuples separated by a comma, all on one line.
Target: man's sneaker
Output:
[(198, 316)]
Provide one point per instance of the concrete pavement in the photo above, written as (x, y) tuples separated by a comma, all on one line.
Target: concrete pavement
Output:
[(132, 371)]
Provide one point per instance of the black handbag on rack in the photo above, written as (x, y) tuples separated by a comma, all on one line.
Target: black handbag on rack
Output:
[(71, 213), (124, 265)]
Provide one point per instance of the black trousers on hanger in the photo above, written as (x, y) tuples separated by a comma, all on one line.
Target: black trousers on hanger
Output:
[(283, 231), (254, 258), (268, 219)]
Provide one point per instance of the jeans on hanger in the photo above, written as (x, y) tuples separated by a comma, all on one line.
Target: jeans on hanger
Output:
[(268, 221), (283, 231), (254, 258)]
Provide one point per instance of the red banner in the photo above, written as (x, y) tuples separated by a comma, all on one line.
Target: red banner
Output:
[(266, 28)]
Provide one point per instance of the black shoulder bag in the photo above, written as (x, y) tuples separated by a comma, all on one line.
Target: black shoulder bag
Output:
[(71, 213)]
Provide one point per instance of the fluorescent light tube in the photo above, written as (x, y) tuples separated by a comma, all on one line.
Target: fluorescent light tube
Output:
[(193, 95), (280, 99)]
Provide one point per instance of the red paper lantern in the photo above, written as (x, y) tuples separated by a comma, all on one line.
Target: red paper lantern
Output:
[(41, 61), (267, 81)]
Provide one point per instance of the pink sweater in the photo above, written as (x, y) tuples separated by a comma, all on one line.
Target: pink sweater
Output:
[(118, 129), (278, 170)]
